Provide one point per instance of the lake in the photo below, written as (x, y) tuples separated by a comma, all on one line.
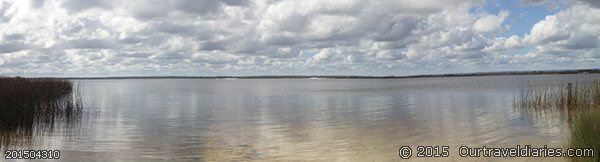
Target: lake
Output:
[(302, 119)]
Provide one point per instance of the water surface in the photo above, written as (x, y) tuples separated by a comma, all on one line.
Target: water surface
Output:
[(302, 119)]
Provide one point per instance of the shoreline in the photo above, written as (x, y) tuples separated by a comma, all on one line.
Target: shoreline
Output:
[(499, 73)]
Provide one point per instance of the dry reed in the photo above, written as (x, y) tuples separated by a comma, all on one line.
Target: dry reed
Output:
[(28, 104)]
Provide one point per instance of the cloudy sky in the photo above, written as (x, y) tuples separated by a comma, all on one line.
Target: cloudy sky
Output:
[(295, 37)]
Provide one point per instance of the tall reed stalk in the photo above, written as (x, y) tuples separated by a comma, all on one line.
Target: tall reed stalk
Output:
[(578, 103), (30, 104)]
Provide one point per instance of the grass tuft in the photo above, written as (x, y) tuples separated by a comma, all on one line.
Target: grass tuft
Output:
[(585, 133)]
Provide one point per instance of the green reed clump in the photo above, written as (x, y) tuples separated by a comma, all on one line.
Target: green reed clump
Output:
[(566, 99), (585, 133), (578, 103), (28, 104)]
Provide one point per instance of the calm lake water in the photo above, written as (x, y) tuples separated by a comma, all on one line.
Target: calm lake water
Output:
[(302, 119)]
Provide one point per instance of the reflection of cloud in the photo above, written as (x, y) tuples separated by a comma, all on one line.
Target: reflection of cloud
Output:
[(287, 120), (266, 123), (277, 124)]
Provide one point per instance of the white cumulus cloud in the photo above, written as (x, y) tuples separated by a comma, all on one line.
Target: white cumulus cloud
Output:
[(490, 23), (244, 37)]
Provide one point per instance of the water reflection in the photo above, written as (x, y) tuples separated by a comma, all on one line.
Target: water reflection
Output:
[(331, 120), (362, 128)]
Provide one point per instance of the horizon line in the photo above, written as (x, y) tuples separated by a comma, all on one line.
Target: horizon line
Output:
[(488, 73)]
